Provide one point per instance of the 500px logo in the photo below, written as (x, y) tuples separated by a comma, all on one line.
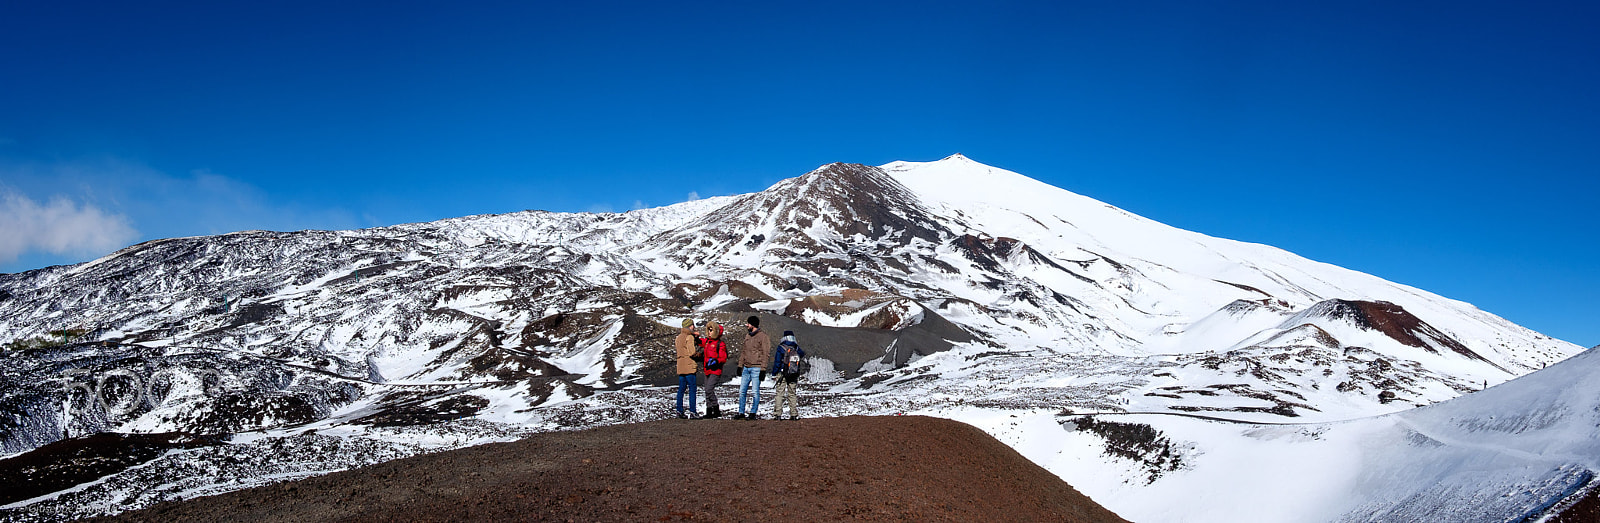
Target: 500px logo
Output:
[(119, 392), (56, 513)]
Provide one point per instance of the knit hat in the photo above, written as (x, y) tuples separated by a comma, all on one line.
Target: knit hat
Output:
[(688, 323), (754, 322), (788, 333)]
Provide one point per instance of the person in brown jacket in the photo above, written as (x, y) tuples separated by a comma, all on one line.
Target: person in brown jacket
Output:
[(685, 344), (753, 366)]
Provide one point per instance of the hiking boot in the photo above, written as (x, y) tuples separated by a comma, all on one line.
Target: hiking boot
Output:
[(681, 415), (738, 416), (794, 416)]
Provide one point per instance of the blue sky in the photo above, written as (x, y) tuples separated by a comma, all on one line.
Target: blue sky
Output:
[(1446, 145)]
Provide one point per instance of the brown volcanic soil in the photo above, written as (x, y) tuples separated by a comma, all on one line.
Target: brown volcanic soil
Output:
[(824, 469), (1586, 510)]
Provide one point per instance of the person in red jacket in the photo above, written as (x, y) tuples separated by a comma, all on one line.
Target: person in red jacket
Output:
[(716, 354)]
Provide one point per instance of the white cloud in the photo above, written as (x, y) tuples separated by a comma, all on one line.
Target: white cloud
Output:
[(166, 205), (59, 226), (694, 195), (121, 196)]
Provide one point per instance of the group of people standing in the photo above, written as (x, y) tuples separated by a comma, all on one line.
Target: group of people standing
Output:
[(708, 351)]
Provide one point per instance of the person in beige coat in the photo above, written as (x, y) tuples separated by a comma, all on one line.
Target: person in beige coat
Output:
[(753, 366), (686, 344), (788, 363)]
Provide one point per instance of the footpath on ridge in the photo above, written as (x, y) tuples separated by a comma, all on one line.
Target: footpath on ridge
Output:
[(912, 468)]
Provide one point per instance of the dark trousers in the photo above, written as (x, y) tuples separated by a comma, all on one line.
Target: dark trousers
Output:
[(711, 392)]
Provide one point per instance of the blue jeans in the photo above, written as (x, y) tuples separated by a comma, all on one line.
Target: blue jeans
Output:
[(750, 383), (686, 381)]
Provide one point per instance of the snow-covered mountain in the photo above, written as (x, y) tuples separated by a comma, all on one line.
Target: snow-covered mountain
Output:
[(948, 287)]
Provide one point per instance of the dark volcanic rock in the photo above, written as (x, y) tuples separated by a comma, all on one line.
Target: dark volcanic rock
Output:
[(1395, 322), (75, 461), (1585, 510), (851, 347)]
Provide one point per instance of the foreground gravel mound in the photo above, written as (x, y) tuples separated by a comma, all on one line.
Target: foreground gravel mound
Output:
[(859, 467)]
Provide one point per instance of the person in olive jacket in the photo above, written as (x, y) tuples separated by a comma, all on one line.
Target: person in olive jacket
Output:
[(685, 344), (753, 366)]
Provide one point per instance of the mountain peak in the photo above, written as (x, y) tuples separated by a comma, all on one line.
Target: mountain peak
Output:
[(955, 161), (809, 215)]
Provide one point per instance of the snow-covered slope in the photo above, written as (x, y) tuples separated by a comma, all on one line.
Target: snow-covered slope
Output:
[(947, 287), (1508, 453), (1173, 278)]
